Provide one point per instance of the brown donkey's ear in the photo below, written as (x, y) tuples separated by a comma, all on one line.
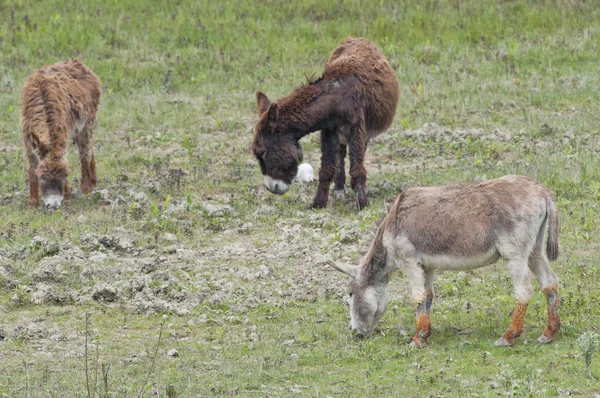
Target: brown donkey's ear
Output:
[(262, 102), (39, 143)]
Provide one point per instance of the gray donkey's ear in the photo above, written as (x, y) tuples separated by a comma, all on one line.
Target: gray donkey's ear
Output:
[(342, 267)]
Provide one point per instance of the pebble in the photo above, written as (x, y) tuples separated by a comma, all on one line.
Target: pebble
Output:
[(173, 353)]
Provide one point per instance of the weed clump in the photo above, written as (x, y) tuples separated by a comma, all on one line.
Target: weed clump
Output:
[(589, 343)]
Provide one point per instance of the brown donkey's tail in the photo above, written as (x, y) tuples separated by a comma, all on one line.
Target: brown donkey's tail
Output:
[(552, 215)]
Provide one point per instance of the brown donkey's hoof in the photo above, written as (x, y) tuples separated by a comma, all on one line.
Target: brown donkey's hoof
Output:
[(318, 205), (361, 198)]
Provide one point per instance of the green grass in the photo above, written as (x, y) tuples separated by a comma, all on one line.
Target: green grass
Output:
[(179, 79)]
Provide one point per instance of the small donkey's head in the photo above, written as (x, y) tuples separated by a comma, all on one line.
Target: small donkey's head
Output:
[(52, 173), (276, 149), (368, 300)]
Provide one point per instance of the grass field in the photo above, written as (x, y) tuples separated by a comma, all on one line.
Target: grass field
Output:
[(180, 232)]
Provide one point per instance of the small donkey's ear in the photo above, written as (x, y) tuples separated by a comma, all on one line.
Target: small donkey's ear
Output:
[(262, 102), (39, 143), (345, 268)]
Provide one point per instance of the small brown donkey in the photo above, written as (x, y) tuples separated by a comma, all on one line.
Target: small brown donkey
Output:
[(351, 103), (59, 102), (460, 227)]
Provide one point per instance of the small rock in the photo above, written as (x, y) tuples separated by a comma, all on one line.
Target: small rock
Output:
[(170, 237), (141, 198), (216, 210), (182, 311), (44, 294), (38, 241), (82, 219), (97, 257), (173, 353), (5, 280), (31, 331), (305, 173), (110, 242), (104, 292), (348, 235)]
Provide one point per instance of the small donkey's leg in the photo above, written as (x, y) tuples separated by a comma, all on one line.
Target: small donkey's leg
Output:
[(340, 173), (329, 146), (358, 173), (519, 273), (86, 157), (34, 186), (67, 194), (538, 263)]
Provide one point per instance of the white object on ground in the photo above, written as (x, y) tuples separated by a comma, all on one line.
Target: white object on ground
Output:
[(305, 173)]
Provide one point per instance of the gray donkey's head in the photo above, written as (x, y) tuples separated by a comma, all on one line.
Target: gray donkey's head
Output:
[(367, 297)]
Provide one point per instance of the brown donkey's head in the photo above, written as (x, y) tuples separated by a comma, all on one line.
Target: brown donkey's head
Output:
[(52, 174), (276, 148)]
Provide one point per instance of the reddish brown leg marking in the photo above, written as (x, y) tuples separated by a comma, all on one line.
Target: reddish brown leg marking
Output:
[(516, 325), (423, 312), (553, 318), (86, 186), (93, 177), (67, 194), (86, 157), (34, 189), (329, 146)]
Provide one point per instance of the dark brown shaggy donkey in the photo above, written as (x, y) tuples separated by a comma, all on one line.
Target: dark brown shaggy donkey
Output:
[(59, 101), (351, 103)]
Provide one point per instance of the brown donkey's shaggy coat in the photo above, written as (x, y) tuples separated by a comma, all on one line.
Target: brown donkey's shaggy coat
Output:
[(352, 102), (59, 101)]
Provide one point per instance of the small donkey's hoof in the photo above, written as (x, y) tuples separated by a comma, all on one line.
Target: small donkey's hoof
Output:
[(543, 339), (502, 342)]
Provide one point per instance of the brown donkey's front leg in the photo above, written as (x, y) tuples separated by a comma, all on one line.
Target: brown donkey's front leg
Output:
[(86, 158), (329, 146), (32, 179), (358, 173), (34, 187)]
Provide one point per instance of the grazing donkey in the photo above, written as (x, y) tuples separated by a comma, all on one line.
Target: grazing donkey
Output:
[(59, 101), (460, 227), (351, 103)]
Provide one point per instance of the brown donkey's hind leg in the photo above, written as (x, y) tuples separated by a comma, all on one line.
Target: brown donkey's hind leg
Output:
[(358, 173), (329, 146), (340, 173)]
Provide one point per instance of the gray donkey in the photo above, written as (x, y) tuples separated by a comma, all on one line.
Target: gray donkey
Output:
[(460, 227)]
